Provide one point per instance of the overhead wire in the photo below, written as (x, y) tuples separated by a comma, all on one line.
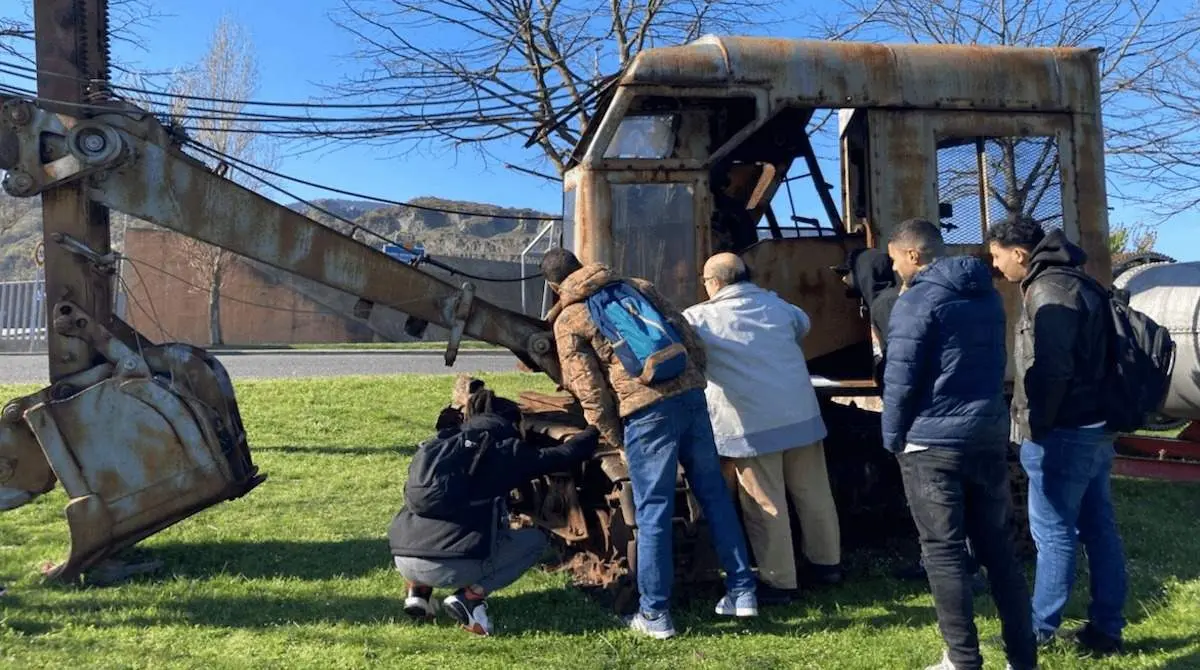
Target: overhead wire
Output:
[(422, 122), (243, 165), (362, 196), (29, 73)]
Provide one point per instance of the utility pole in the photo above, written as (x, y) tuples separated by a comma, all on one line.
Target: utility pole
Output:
[(72, 51)]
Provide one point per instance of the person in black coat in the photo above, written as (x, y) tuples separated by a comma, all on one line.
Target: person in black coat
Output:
[(477, 552)]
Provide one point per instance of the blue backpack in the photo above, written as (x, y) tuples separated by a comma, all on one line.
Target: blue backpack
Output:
[(649, 347)]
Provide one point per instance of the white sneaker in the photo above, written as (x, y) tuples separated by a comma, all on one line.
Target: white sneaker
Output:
[(945, 663), (744, 603), (471, 614), (659, 628)]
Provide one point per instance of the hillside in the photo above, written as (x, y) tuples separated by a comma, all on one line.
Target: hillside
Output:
[(474, 236)]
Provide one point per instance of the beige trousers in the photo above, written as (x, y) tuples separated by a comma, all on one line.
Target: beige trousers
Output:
[(764, 484)]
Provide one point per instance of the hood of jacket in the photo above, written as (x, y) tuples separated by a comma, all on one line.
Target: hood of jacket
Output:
[(497, 426), (580, 285), (964, 275), (1055, 250), (872, 273)]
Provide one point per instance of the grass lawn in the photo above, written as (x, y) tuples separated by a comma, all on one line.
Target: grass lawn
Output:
[(297, 574)]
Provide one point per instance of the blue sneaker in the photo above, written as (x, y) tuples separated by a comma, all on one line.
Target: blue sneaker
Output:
[(659, 627), (740, 603)]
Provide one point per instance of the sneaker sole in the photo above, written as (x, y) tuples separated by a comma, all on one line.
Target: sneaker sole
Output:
[(415, 609), (656, 634), (740, 611)]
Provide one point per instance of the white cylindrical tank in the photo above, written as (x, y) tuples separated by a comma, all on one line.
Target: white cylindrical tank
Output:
[(1169, 293)]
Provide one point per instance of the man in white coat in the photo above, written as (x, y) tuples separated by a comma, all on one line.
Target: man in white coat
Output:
[(766, 419)]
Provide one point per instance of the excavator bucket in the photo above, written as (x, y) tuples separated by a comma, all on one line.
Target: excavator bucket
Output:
[(157, 441)]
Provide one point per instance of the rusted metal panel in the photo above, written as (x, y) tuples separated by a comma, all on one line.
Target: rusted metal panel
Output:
[(1150, 468), (1090, 195), (799, 270), (1172, 459), (139, 442), (72, 49), (857, 74)]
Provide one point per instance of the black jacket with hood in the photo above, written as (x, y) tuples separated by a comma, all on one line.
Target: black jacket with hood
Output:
[(505, 465), (1061, 342)]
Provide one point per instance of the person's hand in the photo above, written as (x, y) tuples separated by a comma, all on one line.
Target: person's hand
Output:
[(586, 441)]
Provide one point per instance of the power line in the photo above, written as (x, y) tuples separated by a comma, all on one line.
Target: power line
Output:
[(361, 196), (534, 95), (480, 115)]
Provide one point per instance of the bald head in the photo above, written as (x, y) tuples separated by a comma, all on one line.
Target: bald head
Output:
[(721, 270)]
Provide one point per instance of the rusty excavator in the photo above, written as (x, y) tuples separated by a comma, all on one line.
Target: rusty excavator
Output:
[(687, 149)]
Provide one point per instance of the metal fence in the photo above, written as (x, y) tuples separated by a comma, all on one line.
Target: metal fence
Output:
[(23, 315)]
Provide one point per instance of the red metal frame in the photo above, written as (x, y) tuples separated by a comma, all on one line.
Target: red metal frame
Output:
[(1171, 459)]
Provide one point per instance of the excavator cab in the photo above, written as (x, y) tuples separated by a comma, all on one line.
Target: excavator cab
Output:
[(687, 154), (684, 158)]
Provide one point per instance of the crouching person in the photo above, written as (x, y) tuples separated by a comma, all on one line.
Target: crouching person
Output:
[(452, 531)]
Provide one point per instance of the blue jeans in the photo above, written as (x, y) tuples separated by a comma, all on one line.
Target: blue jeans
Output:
[(1069, 496), (657, 439)]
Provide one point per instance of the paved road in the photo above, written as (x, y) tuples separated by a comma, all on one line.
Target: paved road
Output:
[(16, 369)]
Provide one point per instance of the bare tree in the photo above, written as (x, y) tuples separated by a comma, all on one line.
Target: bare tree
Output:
[(1132, 239), (127, 20), (1147, 57), (228, 76), (474, 74)]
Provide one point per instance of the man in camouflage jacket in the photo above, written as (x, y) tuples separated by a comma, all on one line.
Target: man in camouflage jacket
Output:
[(660, 427)]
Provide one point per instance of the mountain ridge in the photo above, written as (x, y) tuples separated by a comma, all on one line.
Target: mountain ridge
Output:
[(487, 233)]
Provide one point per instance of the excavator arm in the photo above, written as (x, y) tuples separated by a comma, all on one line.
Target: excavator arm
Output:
[(132, 166), (143, 434)]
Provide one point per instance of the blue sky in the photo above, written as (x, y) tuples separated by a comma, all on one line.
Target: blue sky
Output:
[(298, 49)]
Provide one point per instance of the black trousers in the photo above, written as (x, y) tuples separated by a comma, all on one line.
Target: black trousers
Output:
[(955, 496)]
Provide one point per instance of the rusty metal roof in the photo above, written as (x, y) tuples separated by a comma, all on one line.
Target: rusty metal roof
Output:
[(859, 74)]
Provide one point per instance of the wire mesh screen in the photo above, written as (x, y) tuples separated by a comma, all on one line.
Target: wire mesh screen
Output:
[(1020, 174), (1024, 179), (959, 187)]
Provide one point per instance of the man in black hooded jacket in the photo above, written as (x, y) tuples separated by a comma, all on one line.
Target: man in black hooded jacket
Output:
[(1062, 359), (477, 553)]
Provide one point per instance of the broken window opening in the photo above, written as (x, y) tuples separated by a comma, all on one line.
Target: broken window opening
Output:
[(796, 145), (982, 180)]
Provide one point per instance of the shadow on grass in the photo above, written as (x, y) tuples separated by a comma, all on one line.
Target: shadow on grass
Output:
[(561, 611), (266, 559)]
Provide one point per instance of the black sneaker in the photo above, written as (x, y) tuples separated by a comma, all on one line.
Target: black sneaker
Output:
[(825, 574), (1099, 644), (470, 613), (418, 604), (771, 595)]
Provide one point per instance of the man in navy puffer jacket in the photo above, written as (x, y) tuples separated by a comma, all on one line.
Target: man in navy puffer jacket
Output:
[(945, 417)]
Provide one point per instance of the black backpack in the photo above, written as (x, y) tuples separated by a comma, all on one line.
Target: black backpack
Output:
[(1141, 356), (439, 475)]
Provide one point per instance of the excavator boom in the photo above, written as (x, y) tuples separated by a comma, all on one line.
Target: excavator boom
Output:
[(146, 434)]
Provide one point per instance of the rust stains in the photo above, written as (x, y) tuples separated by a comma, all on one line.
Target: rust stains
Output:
[(858, 74)]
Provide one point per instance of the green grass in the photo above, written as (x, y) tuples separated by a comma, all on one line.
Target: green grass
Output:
[(297, 573)]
